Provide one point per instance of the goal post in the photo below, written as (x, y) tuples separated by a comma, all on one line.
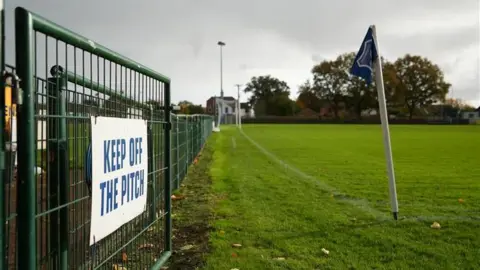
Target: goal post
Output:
[(221, 104)]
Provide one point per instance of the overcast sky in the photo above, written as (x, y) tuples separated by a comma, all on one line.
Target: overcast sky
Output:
[(278, 37)]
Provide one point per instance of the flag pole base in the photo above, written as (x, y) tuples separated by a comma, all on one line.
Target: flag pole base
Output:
[(395, 215)]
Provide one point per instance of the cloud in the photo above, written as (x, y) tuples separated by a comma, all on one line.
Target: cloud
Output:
[(284, 38)]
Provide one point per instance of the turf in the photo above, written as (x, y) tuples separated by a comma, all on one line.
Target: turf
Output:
[(284, 192)]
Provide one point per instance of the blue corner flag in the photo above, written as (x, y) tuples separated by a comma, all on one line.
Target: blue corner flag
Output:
[(363, 63)]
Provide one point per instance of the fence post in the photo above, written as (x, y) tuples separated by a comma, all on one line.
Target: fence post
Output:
[(58, 174), (168, 170), (27, 247), (151, 178), (178, 151), (187, 142)]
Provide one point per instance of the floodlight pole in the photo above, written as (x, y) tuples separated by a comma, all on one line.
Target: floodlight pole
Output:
[(221, 44)]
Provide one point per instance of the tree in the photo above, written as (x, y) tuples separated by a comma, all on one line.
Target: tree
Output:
[(393, 94), (270, 96), (307, 98), (196, 109), (420, 82), (329, 82), (358, 95), (458, 103), (187, 107)]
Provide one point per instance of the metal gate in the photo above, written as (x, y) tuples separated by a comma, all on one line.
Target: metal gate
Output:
[(64, 80)]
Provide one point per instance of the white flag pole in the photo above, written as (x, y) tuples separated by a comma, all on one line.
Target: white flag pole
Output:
[(386, 132)]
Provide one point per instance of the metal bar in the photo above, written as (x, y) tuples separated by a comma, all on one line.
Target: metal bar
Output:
[(178, 151), (61, 33), (59, 177), (27, 247), (161, 261), (151, 178), (168, 171), (53, 176), (96, 86), (187, 142)]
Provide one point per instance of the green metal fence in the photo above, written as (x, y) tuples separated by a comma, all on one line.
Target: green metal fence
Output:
[(189, 133), (64, 80)]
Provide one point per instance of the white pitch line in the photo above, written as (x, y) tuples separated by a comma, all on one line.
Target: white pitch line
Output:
[(234, 143), (358, 203), (361, 204)]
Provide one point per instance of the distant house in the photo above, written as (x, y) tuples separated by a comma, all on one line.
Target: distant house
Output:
[(327, 110), (472, 116), (307, 112), (228, 109), (246, 110)]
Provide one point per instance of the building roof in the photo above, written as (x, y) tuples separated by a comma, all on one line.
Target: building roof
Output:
[(230, 98)]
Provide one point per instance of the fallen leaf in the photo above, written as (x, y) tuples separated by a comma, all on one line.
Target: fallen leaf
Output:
[(234, 255), (234, 269), (187, 247), (326, 252), (461, 200), (119, 267), (279, 259), (435, 225), (236, 245), (222, 232), (178, 197), (144, 246)]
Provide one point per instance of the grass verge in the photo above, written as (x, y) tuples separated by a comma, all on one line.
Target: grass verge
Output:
[(192, 213), (324, 188)]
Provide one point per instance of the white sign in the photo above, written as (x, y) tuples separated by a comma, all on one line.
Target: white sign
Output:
[(119, 173)]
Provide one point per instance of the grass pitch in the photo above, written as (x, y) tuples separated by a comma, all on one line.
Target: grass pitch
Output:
[(285, 192)]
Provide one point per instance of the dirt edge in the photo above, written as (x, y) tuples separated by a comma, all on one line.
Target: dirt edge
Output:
[(192, 212)]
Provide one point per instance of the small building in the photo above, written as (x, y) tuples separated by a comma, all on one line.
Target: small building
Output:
[(228, 108), (472, 116)]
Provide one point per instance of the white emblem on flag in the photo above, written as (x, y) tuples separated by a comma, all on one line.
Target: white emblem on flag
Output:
[(365, 59)]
